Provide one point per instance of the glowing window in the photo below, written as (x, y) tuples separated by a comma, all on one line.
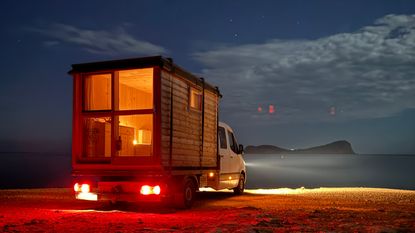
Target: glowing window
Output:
[(97, 137), (195, 99), (97, 92), (135, 135), (135, 89)]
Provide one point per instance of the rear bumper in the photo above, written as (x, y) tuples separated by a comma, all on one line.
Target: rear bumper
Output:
[(128, 191), (115, 197)]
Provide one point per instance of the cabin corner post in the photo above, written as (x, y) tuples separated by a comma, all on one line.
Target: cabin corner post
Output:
[(203, 122), (76, 117), (217, 128), (157, 111), (171, 119)]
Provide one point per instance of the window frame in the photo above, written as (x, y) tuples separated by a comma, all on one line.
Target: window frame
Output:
[(114, 114), (199, 94)]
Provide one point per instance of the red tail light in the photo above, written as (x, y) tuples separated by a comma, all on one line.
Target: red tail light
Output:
[(84, 188), (77, 187), (147, 190), (156, 190)]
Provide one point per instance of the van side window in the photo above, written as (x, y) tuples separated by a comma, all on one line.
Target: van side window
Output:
[(232, 142), (222, 138)]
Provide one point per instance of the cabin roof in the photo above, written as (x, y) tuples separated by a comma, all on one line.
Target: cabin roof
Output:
[(141, 62)]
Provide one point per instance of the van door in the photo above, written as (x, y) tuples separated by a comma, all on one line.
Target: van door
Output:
[(223, 150), (229, 171), (233, 161)]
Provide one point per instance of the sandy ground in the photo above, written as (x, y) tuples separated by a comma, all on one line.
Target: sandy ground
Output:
[(279, 210)]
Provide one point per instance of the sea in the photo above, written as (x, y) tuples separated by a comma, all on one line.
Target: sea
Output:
[(330, 170), (38, 170)]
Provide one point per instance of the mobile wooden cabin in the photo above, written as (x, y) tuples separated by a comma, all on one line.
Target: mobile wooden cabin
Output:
[(142, 121)]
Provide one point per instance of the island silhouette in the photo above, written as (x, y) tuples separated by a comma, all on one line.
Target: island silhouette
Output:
[(337, 147)]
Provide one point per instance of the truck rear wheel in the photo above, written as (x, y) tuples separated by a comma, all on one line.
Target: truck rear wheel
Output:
[(241, 185), (186, 196)]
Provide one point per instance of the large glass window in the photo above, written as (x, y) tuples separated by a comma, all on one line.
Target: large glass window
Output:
[(129, 125), (135, 89), (97, 92), (97, 137), (135, 135)]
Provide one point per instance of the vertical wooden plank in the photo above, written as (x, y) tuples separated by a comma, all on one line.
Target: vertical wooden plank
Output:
[(157, 114)]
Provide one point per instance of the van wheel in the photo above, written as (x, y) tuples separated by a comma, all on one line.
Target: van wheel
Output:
[(241, 185), (186, 197)]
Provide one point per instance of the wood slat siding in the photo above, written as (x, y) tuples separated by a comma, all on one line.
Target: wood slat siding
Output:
[(187, 128)]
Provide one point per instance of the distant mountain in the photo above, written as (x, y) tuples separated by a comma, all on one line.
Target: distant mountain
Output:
[(338, 147), (265, 149)]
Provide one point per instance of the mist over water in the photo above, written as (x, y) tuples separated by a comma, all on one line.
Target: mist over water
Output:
[(36, 170), (312, 171)]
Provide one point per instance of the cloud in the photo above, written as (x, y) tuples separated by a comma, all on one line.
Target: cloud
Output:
[(99, 41), (369, 73)]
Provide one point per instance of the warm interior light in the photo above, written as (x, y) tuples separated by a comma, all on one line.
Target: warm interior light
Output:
[(135, 142), (230, 177), (76, 187), (145, 190), (211, 174), (85, 188), (140, 136)]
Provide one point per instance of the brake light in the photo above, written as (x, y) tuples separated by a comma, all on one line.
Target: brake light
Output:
[(85, 188), (156, 190), (147, 190), (76, 187)]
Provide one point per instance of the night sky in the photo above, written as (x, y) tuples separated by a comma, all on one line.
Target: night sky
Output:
[(292, 73)]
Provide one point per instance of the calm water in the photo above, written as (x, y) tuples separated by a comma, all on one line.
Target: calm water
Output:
[(27, 170), (293, 171)]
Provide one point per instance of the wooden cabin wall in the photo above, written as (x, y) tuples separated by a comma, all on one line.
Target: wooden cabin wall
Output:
[(187, 125)]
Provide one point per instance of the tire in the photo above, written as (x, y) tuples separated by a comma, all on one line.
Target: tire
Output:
[(186, 196), (238, 190)]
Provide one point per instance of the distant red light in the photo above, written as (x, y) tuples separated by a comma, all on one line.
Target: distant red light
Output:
[(259, 109), (333, 111), (271, 109)]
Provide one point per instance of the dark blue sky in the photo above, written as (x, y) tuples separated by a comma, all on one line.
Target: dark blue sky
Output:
[(332, 69)]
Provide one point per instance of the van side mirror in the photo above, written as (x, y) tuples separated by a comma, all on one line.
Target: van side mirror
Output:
[(241, 149)]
